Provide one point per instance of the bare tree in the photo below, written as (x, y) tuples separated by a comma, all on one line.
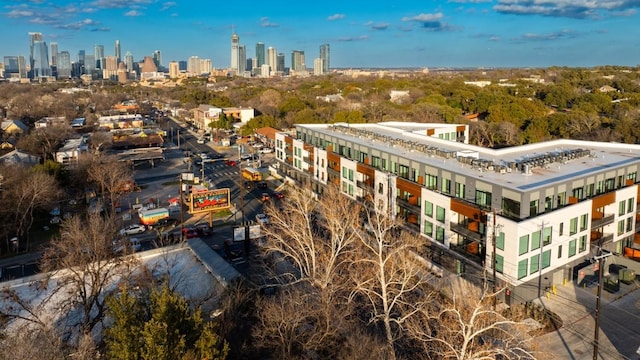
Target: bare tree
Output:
[(85, 269), (26, 191), (112, 176), (386, 274), (461, 325), (29, 342), (44, 141)]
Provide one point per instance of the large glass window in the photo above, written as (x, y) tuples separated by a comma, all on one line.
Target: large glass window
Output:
[(500, 241), (533, 207), (534, 263), (548, 203), (621, 207), (546, 235), (573, 226), (630, 206), (546, 259), (446, 186), (350, 174), (578, 193), (460, 190), (483, 198), (621, 227), (572, 247), (404, 172), (510, 207), (583, 243), (431, 181), (428, 208), (440, 234), (522, 268), (523, 246), (499, 263), (345, 171), (375, 162), (428, 228), (440, 213), (535, 240), (583, 222)]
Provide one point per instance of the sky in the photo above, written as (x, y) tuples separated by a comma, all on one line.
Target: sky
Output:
[(361, 34)]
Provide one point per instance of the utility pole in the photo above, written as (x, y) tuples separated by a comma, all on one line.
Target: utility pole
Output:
[(596, 333), (494, 260), (241, 184)]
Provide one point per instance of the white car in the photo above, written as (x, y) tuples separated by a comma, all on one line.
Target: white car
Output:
[(262, 219), (200, 141), (133, 229), (266, 150), (133, 243)]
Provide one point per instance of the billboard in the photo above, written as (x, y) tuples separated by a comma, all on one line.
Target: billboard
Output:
[(212, 200)]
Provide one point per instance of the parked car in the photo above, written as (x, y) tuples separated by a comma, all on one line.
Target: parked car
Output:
[(262, 185), (233, 250), (279, 195), (190, 233), (266, 150), (133, 229), (262, 219), (265, 197), (204, 229), (232, 163), (200, 141), (166, 222), (131, 244), (248, 185)]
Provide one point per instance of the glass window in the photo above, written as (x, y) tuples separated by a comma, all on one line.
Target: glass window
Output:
[(534, 264), (590, 190), (523, 244), (559, 251), (522, 268), (510, 207), (460, 190), (404, 171), (428, 208), (344, 172), (562, 198), (548, 203), (384, 164), (483, 198), (533, 207), (440, 234), (499, 263), (431, 181), (350, 174), (546, 259), (561, 230), (629, 224), (446, 186), (630, 205), (621, 207), (573, 226), (546, 235), (535, 240), (572, 247), (500, 241), (621, 227), (583, 243), (440, 213), (583, 222), (428, 228), (632, 176)]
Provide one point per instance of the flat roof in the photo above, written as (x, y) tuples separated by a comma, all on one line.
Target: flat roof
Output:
[(521, 168)]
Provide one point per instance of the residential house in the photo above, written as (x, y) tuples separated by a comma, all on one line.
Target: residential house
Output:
[(14, 127), (19, 157)]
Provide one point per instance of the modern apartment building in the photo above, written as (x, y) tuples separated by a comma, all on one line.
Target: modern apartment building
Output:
[(547, 207)]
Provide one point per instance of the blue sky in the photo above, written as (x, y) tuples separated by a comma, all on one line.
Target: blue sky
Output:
[(410, 33)]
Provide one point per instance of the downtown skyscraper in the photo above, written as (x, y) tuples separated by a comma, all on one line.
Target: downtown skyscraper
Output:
[(235, 53), (117, 51), (324, 57)]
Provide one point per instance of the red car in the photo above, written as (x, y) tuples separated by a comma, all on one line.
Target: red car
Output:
[(232, 163), (279, 195), (190, 233)]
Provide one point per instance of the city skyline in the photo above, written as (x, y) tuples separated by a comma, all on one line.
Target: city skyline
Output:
[(458, 33)]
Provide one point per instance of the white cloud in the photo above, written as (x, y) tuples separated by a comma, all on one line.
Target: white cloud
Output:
[(264, 22), (565, 8), (336, 17), (431, 22), (133, 13), (167, 5)]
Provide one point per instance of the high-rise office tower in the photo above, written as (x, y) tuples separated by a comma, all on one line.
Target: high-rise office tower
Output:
[(317, 66), (205, 66), (242, 59), (33, 37), (15, 67), (121, 73), (235, 52), (40, 60), (54, 54), (98, 53), (110, 71), (117, 52), (297, 60), (249, 64), (280, 64), (128, 61), (324, 55), (260, 54), (64, 65), (89, 64), (157, 59), (182, 65), (272, 60), (174, 70)]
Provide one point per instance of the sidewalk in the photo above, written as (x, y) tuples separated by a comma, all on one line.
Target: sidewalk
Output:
[(619, 321)]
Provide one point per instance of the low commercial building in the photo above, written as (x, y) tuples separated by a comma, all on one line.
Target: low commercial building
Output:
[(547, 207)]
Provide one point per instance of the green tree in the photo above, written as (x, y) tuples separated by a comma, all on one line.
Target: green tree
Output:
[(160, 325)]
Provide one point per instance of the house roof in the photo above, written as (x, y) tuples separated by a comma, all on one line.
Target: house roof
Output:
[(19, 124), (267, 132), (18, 157)]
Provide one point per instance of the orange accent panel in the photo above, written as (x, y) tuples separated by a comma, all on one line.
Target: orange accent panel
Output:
[(473, 248), (603, 200), (628, 182), (573, 200), (408, 186), (430, 132), (461, 128), (466, 209), (366, 170), (473, 226)]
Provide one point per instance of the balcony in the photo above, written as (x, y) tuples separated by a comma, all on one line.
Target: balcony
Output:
[(599, 237), (411, 203), (470, 250), (467, 230), (364, 184), (599, 220), (333, 171)]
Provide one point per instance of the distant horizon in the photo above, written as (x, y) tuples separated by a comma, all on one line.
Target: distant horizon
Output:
[(454, 34)]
